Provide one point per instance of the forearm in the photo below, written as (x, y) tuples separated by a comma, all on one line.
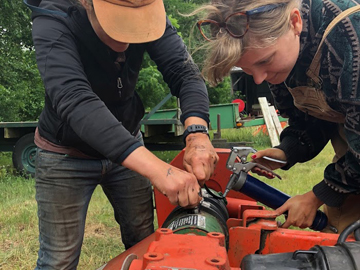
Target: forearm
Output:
[(147, 164), (302, 141), (192, 120)]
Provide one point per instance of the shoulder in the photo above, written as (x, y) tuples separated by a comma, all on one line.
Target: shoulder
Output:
[(345, 36)]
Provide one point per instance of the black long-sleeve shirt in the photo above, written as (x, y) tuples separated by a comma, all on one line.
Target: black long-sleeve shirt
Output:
[(91, 103)]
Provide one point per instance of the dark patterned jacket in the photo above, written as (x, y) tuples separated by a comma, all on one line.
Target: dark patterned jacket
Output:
[(306, 136)]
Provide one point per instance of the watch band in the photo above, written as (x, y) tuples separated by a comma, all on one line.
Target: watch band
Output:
[(195, 129)]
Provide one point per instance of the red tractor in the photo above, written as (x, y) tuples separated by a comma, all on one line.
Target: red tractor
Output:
[(234, 232)]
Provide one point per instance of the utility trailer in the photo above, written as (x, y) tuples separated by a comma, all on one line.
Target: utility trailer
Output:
[(162, 130)]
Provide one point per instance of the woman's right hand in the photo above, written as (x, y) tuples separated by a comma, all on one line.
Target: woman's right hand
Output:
[(272, 165), (301, 210)]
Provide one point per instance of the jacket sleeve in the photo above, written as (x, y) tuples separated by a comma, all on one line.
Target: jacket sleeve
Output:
[(69, 93), (343, 177), (180, 73), (305, 136)]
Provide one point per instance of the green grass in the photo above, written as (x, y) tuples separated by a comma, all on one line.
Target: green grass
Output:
[(18, 218)]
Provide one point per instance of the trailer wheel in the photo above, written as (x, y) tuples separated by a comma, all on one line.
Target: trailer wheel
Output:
[(24, 155)]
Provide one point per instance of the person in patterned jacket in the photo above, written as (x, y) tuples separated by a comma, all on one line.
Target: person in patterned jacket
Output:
[(313, 72)]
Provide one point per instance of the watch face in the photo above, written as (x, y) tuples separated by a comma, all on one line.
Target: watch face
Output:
[(195, 129)]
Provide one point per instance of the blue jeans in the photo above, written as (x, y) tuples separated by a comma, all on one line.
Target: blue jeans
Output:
[(64, 186)]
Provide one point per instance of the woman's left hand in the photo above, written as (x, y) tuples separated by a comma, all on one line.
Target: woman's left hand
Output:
[(200, 157), (274, 153)]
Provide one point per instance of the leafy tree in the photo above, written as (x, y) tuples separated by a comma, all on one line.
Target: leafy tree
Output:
[(151, 86), (221, 93), (186, 25), (21, 88)]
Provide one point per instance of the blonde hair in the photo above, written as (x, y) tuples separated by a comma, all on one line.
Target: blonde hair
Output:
[(264, 29)]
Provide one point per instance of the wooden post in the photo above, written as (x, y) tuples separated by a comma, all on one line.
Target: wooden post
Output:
[(275, 119), (268, 121)]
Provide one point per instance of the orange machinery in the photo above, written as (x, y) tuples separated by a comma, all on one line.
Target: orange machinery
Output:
[(243, 236)]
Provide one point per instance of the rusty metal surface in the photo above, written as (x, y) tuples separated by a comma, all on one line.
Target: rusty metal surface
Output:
[(173, 251)]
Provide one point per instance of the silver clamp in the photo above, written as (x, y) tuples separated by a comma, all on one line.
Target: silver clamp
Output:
[(241, 169)]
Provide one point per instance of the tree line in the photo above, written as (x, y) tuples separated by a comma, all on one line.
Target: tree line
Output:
[(21, 88)]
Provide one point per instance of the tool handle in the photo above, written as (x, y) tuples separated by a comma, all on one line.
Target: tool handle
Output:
[(274, 198)]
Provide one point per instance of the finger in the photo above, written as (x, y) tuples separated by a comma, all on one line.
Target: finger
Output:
[(216, 159), (172, 199), (208, 169), (281, 210), (259, 154), (201, 171), (194, 197), (303, 226), (256, 170), (202, 183), (286, 224), (259, 171), (183, 198), (188, 167), (266, 174), (269, 175)]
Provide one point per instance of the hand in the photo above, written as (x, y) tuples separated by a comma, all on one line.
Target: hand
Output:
[(181, 187), (200, 157), (272, 153), (301, 210)]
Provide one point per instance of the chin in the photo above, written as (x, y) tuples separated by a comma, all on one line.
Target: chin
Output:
[(120, 49), (277, 79)]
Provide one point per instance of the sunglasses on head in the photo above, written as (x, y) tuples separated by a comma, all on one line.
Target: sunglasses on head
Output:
[(236, 24)]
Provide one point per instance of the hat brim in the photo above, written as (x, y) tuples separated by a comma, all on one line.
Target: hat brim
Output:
[(129, 24)]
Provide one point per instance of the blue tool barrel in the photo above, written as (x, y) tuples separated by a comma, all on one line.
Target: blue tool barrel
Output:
[(274, 198)]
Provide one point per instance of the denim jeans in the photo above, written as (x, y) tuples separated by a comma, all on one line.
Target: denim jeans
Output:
[(64, 186)]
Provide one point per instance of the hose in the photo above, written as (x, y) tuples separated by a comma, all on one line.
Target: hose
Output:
[(354, 227)]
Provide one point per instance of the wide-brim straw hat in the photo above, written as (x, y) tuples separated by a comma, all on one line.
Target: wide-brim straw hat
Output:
[(131, 21)]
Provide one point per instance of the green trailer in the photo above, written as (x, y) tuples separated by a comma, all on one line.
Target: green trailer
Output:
[(18, 138), (162, 130), (257, 121)]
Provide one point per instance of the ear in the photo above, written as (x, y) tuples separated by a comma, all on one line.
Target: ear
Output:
[(85, 4), (296, 21)]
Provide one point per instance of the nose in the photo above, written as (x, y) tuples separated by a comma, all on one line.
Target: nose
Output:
[(259, 76)]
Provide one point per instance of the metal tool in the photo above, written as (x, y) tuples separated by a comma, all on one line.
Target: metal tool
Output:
[(241, 181), (275, 160), (241, 169)]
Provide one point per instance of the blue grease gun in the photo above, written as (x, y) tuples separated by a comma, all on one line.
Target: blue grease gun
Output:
[(241, 181)]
